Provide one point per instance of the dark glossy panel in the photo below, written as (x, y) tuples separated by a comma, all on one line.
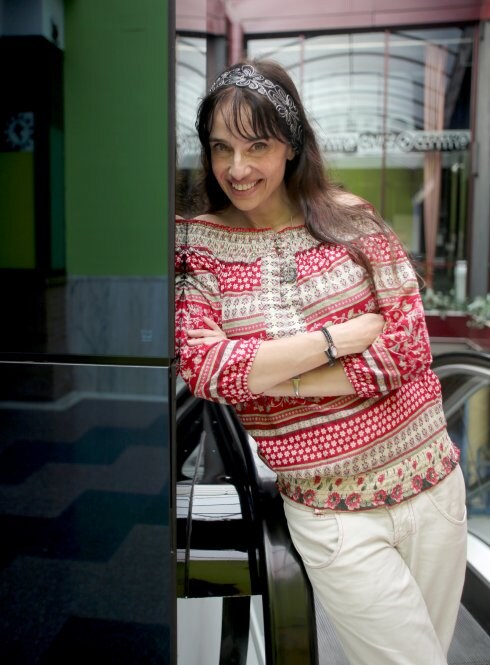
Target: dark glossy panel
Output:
[(289, 612), (86, 572), (476, 595), (85, 316), (234, 634)]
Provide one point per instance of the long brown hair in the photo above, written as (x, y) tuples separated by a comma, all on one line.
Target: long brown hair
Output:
[(329, 216)]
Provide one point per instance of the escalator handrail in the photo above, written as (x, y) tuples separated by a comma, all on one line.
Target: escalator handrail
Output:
[(477, 362), (474, 365)]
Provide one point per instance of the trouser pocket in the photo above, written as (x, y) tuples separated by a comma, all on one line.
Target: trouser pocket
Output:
[(317, 537)]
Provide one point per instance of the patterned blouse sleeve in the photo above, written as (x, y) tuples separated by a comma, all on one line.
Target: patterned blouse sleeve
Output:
[(402, 352), (218, 372)]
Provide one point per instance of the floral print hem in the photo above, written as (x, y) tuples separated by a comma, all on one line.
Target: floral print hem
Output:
[(382, 487)]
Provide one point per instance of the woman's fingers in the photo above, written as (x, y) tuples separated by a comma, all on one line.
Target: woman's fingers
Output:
[(208, 336), (212, 329), (204, 340), (211, 324), (205, 332), (202, 332)]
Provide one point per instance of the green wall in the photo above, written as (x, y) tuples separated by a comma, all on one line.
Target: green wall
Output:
[(17, 234), (401, 185), (116, 110)]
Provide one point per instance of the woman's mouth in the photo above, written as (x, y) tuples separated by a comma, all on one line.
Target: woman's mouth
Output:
[(243, 187)]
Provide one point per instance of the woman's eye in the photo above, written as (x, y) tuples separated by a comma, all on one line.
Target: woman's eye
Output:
[(219, 147), (259, 146)]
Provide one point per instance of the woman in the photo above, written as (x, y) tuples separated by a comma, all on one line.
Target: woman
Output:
[(297, 305)]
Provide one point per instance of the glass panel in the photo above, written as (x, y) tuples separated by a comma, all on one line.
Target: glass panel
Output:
[(354, 85), (426, 184), (17, 241), (84, 195), (392, 111), (87, 573), (190, 86)]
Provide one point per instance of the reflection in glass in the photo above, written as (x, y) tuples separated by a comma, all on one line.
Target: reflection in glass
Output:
[(83, 185), (392, 111), (190, 86), (85, 501)]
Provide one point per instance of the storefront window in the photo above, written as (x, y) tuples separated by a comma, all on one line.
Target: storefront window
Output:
[(392, 111)]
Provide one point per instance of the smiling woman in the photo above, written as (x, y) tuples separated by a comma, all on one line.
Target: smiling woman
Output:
[(298, 306)]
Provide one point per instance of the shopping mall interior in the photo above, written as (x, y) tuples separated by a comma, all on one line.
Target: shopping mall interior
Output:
[(138, 523)]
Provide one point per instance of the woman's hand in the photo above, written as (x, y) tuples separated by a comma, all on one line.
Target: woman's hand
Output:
[(209, 336)]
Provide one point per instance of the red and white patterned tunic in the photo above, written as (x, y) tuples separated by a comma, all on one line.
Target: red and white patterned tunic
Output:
[(378, 447)]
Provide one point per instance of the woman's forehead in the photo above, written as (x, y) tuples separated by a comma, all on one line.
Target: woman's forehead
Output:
[(237, 118)]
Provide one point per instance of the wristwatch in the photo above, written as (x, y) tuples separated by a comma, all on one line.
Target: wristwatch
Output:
[(331, 350)]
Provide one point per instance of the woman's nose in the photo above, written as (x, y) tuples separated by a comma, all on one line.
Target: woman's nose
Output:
[(239, 167)]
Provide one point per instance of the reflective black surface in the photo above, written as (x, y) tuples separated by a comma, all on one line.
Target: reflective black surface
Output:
[(85, 515)]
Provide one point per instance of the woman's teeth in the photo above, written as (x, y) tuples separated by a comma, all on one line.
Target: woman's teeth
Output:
[(243, 188)]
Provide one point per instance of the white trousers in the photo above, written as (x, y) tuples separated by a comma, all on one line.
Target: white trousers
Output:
[(390, 579)]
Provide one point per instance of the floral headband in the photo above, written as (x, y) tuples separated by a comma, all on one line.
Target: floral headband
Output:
[(246, 76)]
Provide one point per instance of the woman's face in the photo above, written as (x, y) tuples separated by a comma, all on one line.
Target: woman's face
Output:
[(250, 172)]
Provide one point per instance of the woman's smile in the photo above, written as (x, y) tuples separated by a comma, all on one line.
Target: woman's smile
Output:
[(244, 187)]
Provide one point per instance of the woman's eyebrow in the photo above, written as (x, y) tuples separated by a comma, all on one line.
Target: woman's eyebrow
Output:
[(250, 139)]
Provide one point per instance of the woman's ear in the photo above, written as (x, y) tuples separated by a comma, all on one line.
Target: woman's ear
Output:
[(291, 153)]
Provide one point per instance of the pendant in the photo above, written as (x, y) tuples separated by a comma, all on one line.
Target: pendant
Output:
[(288, 274)]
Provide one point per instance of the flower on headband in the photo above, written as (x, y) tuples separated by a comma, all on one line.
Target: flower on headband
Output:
[(247, 76)]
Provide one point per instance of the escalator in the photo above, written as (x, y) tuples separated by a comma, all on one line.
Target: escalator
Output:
[(239, 576), (236, 568), (465, 380)]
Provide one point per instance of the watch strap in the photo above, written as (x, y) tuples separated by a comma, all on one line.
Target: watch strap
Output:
[(329, 350)]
